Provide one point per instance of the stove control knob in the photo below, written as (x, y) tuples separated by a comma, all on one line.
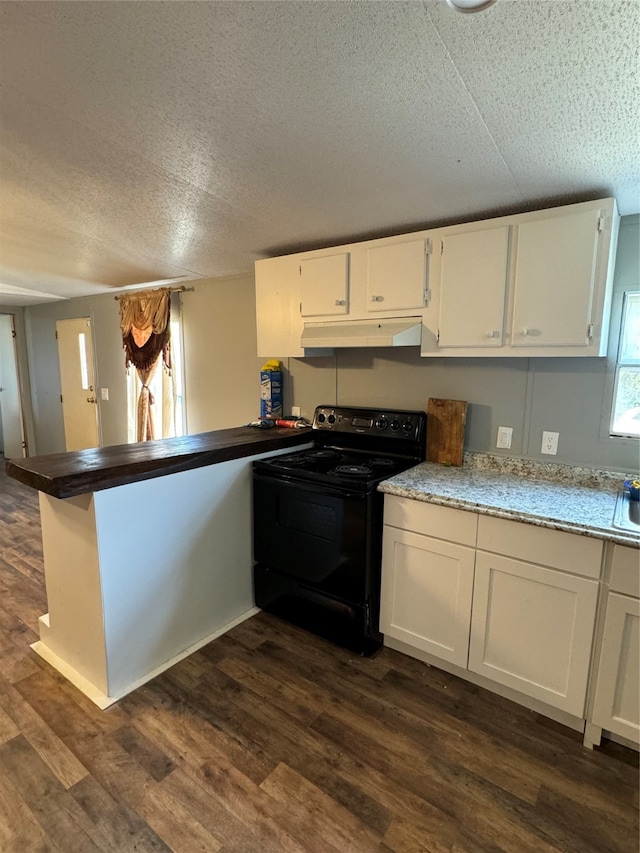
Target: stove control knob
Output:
[(395, 425), (332, 419), (382, 423), (321, 418), (407, 426)]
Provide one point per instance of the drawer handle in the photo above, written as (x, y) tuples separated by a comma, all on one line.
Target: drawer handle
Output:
[(377, 298)]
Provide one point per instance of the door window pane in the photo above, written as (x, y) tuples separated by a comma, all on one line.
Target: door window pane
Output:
[(84, 370)]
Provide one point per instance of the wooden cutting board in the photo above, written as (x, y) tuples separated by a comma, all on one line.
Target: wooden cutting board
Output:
[(445, 431)]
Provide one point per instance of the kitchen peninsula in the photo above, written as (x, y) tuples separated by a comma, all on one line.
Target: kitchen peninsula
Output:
[(147, 551)]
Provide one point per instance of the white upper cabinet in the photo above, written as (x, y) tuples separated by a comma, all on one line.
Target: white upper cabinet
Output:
[(279, 322), (397, 276), (531, 284), (555, 271), (473, 286), (324, 285)]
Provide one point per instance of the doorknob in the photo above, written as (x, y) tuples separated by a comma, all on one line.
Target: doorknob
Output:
[(91, 399)]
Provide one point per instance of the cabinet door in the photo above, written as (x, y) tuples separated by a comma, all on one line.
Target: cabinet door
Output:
[(279, 325), (617, 698), (473, 286), (556, 262), (532, 630), (426, 593), (324, 285), (397, 276)]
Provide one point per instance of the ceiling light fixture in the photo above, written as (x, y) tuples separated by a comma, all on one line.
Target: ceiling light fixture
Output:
[(470, 5)]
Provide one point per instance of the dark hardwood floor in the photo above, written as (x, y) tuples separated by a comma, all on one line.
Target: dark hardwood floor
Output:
[(270, 739)]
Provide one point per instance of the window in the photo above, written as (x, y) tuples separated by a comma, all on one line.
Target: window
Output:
[(168, 406), (625, 415)]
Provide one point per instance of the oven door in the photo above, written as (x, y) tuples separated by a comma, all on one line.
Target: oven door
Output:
[(322, 536)]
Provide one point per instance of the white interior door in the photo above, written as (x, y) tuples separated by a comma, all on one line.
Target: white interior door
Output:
[(77, 382), (10, 404)]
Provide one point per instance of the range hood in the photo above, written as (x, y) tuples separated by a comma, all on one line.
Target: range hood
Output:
[(401, 332)]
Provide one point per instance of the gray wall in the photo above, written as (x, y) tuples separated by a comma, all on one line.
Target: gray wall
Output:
[(570, 396)]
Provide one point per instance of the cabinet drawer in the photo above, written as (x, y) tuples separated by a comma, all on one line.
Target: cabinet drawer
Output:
[(441, 522), (625, 571), (580, 555)]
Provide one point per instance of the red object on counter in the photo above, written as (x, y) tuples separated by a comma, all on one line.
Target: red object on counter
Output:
[(286, 422)]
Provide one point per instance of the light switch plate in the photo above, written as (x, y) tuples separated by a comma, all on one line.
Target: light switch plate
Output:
[(104, 393)]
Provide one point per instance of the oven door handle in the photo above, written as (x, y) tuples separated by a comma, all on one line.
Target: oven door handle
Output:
[(329, 491)]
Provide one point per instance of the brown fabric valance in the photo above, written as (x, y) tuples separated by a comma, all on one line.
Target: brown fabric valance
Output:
[(144, 321)]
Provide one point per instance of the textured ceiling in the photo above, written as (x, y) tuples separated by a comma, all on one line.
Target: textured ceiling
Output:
[(147, 141)]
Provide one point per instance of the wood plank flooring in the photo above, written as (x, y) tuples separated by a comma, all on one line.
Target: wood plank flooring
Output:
[(270, 740)]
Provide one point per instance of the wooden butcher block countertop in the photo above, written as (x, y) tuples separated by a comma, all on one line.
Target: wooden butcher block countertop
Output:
[(64, 475)]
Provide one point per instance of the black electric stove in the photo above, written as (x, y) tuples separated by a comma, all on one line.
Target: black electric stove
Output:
[(318, 521)]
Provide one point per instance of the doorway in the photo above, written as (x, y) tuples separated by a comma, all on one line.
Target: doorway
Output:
[(12, 439), (77, 382)]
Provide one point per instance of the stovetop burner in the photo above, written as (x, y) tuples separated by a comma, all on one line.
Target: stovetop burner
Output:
[(382, 463), (352, 470), (321, 454)]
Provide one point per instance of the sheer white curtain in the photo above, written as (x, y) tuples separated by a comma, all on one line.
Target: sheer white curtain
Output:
[(162, 403)]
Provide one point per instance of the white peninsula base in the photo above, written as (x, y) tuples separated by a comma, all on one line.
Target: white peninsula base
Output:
[(142, 575)]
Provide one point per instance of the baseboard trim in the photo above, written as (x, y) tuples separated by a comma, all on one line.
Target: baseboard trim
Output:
[(104, 701)]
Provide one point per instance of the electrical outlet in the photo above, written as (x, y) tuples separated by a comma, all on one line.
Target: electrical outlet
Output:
[(550, 442), (295, 411), (104, 393), (505, 435)]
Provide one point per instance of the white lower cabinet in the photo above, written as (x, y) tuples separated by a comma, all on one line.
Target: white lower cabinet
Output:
[(532, 629), (511, 602), (616, 705), (427, 585)]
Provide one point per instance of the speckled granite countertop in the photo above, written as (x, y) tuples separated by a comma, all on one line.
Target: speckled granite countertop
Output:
[(577, 500)]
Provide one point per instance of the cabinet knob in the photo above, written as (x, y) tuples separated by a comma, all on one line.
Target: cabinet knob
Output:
[(525, 332), (493, 334), (341, 301), (91, 399), (377, 298)]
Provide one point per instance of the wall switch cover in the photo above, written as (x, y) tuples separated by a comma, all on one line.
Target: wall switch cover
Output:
[(505, 434), (295, 411), (104, 393), (550, 442)]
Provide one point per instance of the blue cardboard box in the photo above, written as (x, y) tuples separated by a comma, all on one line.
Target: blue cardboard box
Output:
[(271, 394)]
